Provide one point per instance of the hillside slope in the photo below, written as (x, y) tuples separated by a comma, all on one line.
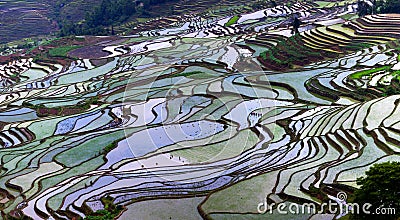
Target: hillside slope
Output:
[(25, 19)]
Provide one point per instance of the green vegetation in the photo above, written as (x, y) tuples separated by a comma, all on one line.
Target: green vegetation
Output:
[(110, 212), (107, 13), (42, 110), (318, 193), (393, 88), (111, 146), (10, 217), (89, 149), (381, 7), (62, 51), (103, 18), (27, 44), (389, 53), (357, 46), (388, 6), (194, 75), (323, 131), (291, 52), (232, 21), (396, 49), (379, 188), (397, 74), (14, 76), (322, 4), (360, 74), (349, 16)]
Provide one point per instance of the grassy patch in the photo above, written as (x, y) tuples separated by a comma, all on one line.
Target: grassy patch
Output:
[(357, 46), (396, 74), (62, 51), (111, 211), (89, 149), (111, 146), (349, 16), (194, 75), (358, 75), (142, 20), (291, 51), (44, 111), (322, 4), (389, 53), (232, 21), (392, 89)]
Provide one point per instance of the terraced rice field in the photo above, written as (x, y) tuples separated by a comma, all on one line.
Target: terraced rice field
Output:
[(27, 18), (186, 120)]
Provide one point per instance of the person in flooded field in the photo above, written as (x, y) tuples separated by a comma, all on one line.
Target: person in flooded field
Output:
[(295, 24)]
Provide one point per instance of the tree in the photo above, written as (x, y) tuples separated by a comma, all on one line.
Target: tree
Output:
[(363, 8), (374, 7), (388, 6), (381, 189), (107, 15)]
